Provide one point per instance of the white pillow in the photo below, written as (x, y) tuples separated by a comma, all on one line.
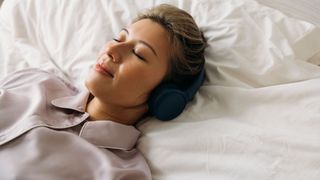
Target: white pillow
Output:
[(249, 45)]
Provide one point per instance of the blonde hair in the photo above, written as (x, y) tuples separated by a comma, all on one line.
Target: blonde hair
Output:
[(188, 42)]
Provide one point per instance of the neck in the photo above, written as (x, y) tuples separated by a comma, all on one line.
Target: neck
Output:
[(124, 115)]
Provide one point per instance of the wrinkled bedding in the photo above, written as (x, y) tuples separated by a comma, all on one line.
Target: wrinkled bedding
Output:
[(257, 115)]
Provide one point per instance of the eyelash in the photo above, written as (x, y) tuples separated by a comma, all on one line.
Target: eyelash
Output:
[(133, 50), (117, 40)]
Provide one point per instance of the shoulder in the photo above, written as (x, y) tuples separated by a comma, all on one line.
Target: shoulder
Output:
[(28, 74), (33, 76)]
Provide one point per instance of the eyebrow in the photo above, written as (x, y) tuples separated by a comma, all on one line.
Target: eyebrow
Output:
[(142, 42)]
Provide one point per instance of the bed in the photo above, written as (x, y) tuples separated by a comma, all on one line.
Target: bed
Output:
[(257, 115)]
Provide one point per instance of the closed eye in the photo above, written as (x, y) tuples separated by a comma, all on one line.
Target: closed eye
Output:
[(140, 57), (117, 40), (133, 51)]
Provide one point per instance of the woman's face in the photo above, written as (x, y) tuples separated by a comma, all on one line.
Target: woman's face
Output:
[(131, 65)]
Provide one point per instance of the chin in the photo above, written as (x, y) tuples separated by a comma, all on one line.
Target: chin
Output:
[(88, 86), (90, 82)]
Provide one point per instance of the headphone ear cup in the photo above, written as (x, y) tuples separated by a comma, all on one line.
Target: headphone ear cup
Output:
[(166, 102)]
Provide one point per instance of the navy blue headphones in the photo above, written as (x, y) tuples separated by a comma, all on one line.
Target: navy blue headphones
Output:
[(167, 101)]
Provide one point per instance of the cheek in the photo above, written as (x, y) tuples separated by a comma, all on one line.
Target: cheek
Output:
[(143, 79)]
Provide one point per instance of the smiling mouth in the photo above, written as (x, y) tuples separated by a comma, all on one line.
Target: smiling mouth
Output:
[(103, 70)]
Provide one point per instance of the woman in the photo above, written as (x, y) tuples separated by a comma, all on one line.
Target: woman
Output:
[(55, 131)]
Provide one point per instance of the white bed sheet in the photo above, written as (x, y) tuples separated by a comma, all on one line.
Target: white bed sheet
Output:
[(257, 115), (308, 10)]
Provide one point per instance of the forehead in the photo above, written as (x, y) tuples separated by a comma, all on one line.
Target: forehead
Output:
[(152, 33)]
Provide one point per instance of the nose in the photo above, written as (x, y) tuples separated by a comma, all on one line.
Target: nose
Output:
[(117, 50), (113, 53)]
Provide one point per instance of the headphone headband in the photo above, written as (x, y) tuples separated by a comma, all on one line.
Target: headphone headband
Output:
[(193, 88)]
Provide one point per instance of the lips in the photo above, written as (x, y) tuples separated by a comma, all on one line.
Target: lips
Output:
[(103, 69)]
